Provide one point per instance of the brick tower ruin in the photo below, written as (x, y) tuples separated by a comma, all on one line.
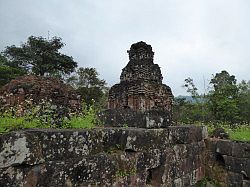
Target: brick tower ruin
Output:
[(140, 99)]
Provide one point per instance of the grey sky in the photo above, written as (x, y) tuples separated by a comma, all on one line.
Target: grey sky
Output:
[(190, 38)]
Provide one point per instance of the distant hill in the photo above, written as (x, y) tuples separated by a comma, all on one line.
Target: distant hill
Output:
[(186, 97), (189, 98)]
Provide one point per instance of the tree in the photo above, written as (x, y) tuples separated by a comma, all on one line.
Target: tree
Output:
[(225, 102), (179, 110), (223, 97), (7, 72), (88, 77), (196, 110), (244, 101), (91, 88), (191, 88), (41, 57)]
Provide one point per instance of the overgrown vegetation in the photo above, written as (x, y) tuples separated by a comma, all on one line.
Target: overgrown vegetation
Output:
[(8, 72), (46, 115), (238, 132), (226, 105), (42, 57), (89, 86), (126, 173), (207, 182)]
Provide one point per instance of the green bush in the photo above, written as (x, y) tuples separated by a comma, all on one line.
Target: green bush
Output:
[(46, 115)]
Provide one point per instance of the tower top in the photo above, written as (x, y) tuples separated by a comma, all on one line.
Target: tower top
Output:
[(141, 65), (140, 51)]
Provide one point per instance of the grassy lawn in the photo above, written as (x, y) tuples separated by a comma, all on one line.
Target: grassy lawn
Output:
[(240, 134), (8, 124)]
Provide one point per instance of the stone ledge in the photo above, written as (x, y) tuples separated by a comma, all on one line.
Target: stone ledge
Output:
[(131, 118), (35, 146), (228, 162), (102, 156), (231, 148)]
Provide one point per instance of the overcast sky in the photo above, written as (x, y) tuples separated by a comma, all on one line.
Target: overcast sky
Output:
[(190, 38)]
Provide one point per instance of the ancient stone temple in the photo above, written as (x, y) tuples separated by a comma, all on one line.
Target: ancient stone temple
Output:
[(29, 91), (140, 96)]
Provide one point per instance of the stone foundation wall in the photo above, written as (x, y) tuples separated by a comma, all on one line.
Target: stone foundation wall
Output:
[(174, 157), (228, 162), (103, 156)]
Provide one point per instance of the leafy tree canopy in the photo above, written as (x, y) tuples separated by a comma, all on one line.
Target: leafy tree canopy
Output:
[(90, 86), (7, 73), (244, 101), (41, 56), (225, 84), (226, 102), (88, 77), (223, 98)]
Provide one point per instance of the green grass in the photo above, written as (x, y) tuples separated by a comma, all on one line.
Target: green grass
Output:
[(45, 115), (240, 134), (205, 181), (8, 124), (237, 133), (82, 123)]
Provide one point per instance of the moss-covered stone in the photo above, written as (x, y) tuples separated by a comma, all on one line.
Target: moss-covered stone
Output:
[(102, 156)]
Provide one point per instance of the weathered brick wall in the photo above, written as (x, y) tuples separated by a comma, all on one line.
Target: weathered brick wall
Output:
[(30, 90), (103, 156), (140, 87)]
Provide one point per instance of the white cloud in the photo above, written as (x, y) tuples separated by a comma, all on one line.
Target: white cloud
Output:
[(194, 38)]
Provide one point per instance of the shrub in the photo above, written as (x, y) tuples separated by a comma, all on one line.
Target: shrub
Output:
[(46, 115)]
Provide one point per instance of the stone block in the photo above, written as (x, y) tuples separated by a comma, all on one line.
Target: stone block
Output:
[(240, 149), (224, 147), (19, 148), (246, 183), (237, 165), (130, 118), (36, 146), (100, 156), (185, 134)]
